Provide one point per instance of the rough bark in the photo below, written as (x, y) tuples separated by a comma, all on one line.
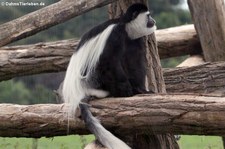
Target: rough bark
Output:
[(152, 114), (34, 59), (178, 41), (206, 78), (46, 17), (154, 70), (209, 20), (118, 8)]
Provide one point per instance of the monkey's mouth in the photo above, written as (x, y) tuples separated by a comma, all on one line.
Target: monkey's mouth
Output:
[(151, 23)]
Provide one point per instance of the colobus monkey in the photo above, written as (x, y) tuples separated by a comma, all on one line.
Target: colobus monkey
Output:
[(109, 61)]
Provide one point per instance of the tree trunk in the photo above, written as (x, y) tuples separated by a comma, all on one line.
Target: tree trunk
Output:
[(155, 84), (209, 21), (150, 114)]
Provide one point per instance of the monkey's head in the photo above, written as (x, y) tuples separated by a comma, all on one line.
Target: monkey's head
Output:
[(138, 21)]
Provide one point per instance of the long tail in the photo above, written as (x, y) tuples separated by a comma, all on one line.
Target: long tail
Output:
[(105, 137)]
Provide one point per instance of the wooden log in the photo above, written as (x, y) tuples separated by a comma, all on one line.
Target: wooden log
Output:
[(155, 114), (35, 59), (54, 56), (206, 78), (46, 17), (178, 41), (209, 20)]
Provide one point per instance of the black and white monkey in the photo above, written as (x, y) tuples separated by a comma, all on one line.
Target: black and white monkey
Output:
[(109, 61)]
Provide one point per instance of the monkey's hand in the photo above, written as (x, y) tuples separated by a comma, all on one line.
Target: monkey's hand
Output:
[(141, 91)]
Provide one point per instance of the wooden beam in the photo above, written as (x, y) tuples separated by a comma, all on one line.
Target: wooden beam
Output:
[(34, 59), (45, 18), (178, 41), (209, 20), (156, 114), (54, 56), (206, 78)]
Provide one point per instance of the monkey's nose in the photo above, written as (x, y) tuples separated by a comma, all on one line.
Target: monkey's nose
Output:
[(151, 22)]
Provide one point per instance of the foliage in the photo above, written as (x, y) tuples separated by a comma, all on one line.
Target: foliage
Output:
[(16, 92), (171, 14), (42, 95), (172, 62)]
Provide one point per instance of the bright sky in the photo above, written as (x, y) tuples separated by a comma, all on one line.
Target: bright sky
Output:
[(185, 5)]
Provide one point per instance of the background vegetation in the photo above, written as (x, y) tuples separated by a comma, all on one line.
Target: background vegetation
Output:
[(38, 88)]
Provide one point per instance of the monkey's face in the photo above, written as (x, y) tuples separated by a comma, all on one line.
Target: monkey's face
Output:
[(141, 25)]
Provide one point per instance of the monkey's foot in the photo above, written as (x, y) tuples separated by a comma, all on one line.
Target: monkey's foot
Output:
[(85, 101)]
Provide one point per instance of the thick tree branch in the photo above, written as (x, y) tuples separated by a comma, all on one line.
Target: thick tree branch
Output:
[(34, 59), (178, 114), (178, 41), (206, 78), (54, 56), (46, 17)]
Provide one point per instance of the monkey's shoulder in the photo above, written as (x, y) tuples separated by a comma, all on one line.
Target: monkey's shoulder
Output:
[(96, 30)]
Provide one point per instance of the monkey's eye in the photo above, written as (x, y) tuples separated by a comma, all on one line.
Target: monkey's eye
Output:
[(148, 15)]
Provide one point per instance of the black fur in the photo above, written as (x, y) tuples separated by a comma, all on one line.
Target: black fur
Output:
[(95, 31), (122, 66), (131, 14), (133, 11)]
